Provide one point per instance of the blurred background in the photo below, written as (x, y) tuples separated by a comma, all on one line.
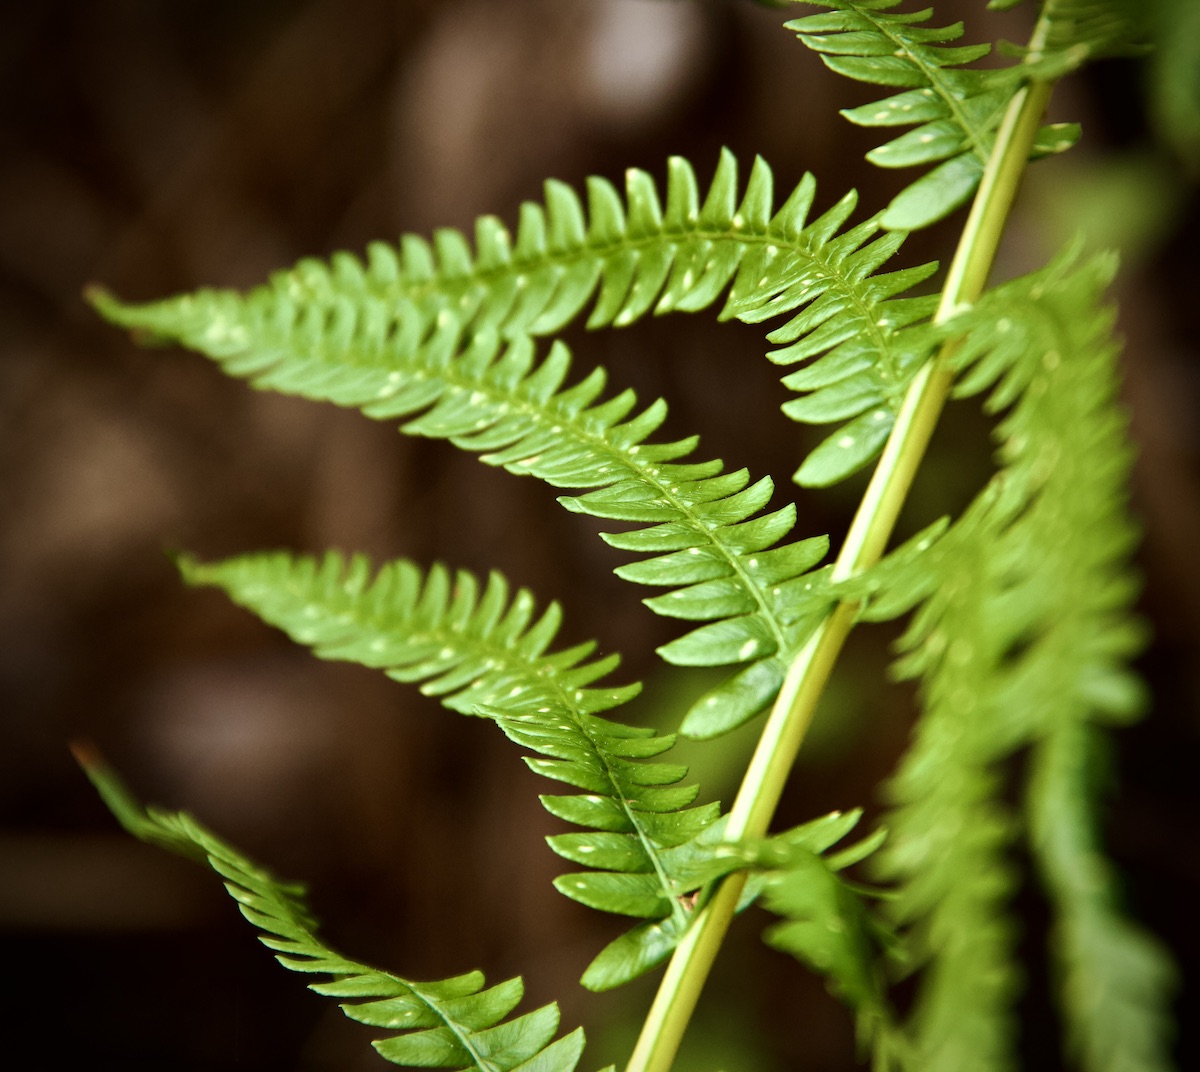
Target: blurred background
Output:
[(157, 147)]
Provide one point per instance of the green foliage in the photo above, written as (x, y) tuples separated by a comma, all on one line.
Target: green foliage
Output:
[(1022, 639), (451, 1023), (411, 333), (1021, 632), (483, 653), (958, 109), (826, 922), (384, 335)]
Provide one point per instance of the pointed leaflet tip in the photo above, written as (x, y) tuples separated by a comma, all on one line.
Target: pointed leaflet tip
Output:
[(107, 304)]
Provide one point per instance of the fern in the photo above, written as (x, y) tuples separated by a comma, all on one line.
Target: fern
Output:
[(1074, 665), (1023, 638), (499, 401), (703, 535), (826, 923), (347, 315), (1021, 631), (451, 1023), (958, 109), (410, 333), (483, 654), (1114, 979)]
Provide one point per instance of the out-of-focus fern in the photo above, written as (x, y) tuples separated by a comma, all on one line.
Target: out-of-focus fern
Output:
[(451, 1023), (1114, 980), (1067, 601), (1023, 639)]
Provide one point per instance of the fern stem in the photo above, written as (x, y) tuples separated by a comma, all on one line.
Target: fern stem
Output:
[(865, 542)]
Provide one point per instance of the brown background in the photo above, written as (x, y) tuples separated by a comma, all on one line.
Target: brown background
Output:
[(161, 146)]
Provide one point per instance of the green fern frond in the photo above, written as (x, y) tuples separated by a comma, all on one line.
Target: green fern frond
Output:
[(453, 1023), (825, 921), (627, 258), (949, 831), (957, 109), (827, 926), (418, 335), (481, 652), (1070, 591), (1023, 638)]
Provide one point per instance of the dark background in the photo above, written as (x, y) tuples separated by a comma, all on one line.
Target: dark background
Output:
[(157, 147)]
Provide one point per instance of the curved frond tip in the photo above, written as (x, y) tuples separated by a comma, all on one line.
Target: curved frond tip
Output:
[(456, 1023)]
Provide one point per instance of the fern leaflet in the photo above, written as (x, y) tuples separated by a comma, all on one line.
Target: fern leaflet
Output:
[(482, 653), (825, 921), (452, 1023)]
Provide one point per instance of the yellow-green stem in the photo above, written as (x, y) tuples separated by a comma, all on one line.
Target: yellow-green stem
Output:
[(865, 542)]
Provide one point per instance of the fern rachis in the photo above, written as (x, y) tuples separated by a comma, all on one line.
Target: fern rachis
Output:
[(1018, 648)]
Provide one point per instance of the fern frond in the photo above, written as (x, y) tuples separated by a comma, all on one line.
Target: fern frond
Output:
[(481, 652), (421, 332), (456, 1023), (949, 830), (631, 256), (1070, 589), (825, 921), (957, 109), (827, 926), (1023, 638)]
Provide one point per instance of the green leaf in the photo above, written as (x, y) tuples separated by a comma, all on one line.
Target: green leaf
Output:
[(634, 953), (935, 195), (735, 701)]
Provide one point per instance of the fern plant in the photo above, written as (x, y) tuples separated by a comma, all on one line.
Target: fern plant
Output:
[(1020, 630)]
